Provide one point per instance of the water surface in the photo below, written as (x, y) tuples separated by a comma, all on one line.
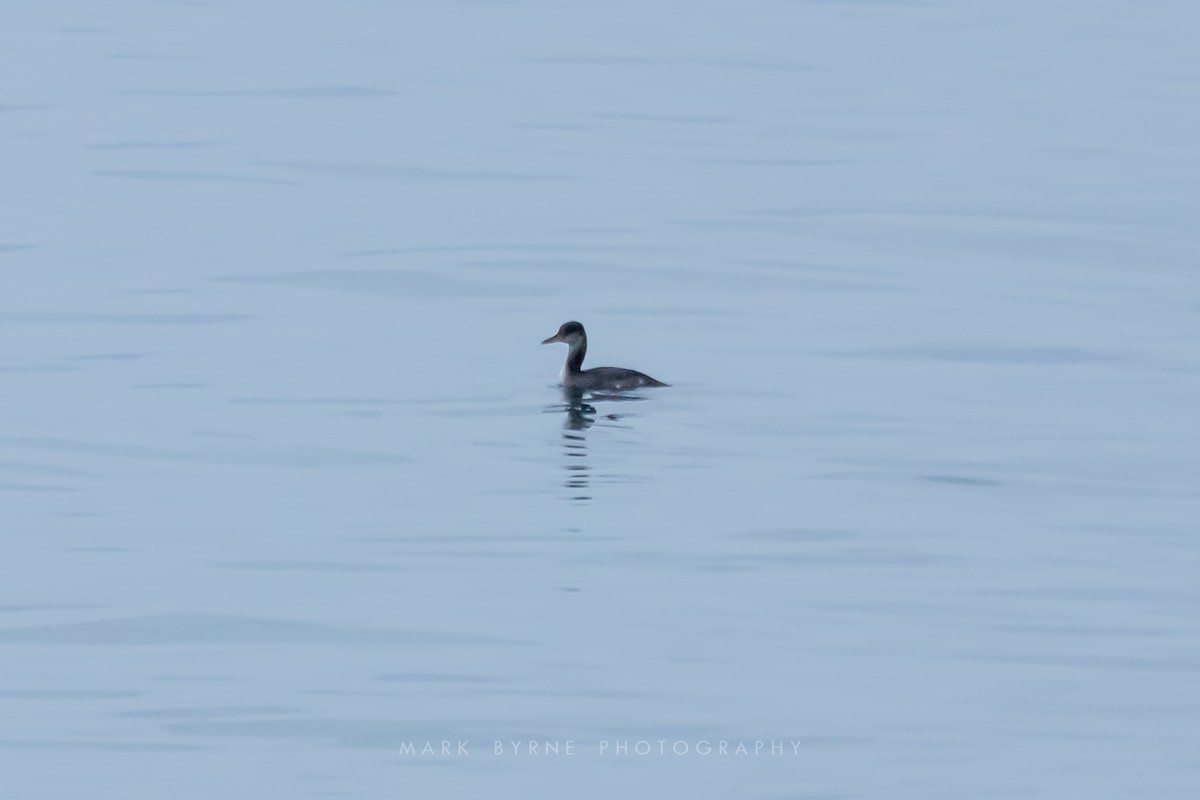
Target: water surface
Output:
[(288, 485)]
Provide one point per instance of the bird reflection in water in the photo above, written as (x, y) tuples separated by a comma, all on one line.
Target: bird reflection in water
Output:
[(582, 414)]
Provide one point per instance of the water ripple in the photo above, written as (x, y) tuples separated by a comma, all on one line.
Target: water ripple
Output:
[(279, 93), (409, 172), (102, 318), (399, 282), (980, 355), (190, 176), (246, 455), (209, 629)]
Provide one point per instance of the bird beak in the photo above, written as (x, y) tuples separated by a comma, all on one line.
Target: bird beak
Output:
[(552, 339)]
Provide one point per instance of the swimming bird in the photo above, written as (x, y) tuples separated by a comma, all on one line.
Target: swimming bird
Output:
[(597, 379)]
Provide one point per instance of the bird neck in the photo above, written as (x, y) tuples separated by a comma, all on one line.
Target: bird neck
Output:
[(578, 349)]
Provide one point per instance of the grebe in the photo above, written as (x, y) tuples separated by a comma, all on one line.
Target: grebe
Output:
[(597, 379)]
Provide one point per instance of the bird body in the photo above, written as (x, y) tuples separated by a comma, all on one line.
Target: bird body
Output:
[(597, 379)]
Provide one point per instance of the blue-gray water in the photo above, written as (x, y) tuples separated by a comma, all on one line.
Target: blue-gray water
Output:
[(286, 484)]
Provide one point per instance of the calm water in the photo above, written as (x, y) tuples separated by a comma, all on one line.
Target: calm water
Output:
[(288, 487)]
